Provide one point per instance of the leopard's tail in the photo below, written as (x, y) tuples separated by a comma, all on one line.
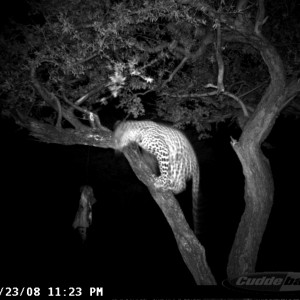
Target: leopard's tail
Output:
[(196, 202)]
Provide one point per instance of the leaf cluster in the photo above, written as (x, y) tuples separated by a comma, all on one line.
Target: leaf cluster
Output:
[(147, 58)]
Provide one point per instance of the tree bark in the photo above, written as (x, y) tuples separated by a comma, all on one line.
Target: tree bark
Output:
[(86, 136), (259, 190), (259, 186), (192, 252)]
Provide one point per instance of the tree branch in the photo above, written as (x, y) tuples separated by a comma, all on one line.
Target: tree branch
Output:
[(94, 55), (88, 95), (59, 112), (259, 186), (245, 111), (193, 253), (175, 71), (208, 39), (93, 118), (219, 58), (49, 134), (53, 101), (252, 90), (260, 17)]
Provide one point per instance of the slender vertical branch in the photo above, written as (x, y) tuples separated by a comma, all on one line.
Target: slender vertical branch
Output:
[(59, 113), (219, 58), (260, 17)]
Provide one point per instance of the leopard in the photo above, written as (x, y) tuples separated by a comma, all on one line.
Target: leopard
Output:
[(176, 158)]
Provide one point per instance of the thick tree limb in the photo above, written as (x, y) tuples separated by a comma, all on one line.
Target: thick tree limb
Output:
[(193, 253), (49, 134)]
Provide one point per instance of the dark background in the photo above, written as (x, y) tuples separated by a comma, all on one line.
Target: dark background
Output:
[(129, 240)]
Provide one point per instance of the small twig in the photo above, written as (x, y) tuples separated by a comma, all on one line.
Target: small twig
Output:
[(254, 89), (86, 59), (175, 71), (93, 118), (260, 17), (149, 64), (292, 91), (88, 95), (59, 113), (245, 111), (243, 106), (191, 95), (81, 99), (93, 55)]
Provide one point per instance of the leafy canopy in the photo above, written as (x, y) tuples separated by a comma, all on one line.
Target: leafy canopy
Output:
[(151, 59)]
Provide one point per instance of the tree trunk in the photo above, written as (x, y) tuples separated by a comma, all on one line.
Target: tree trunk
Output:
[(259, 187), (259, 190)]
